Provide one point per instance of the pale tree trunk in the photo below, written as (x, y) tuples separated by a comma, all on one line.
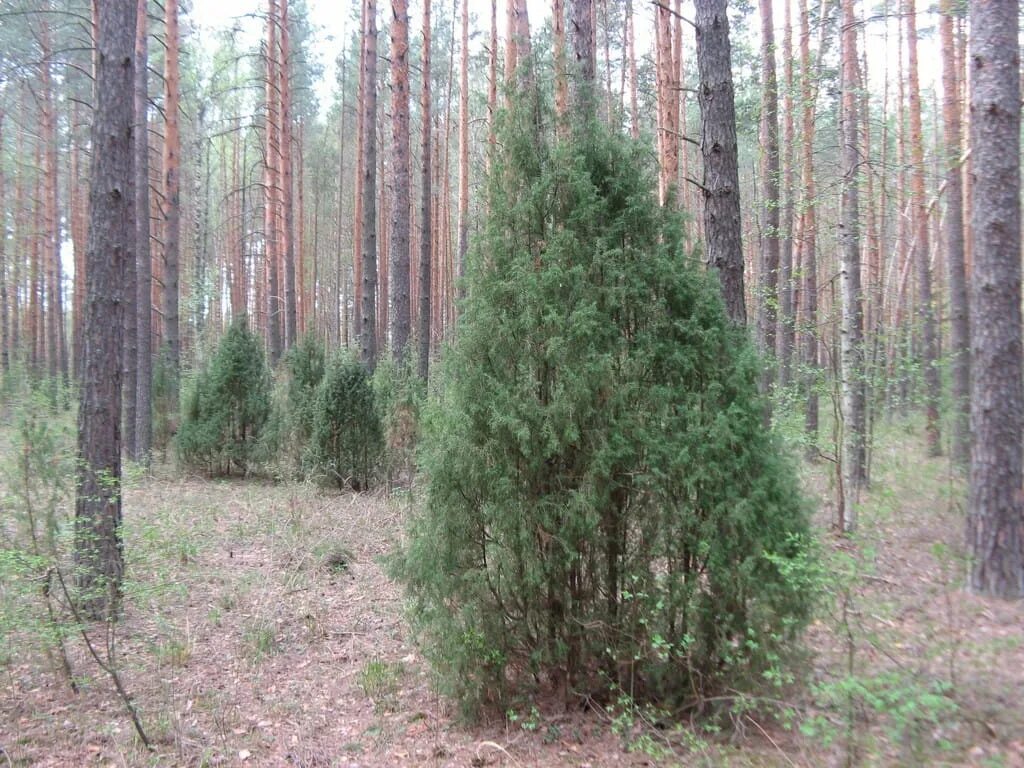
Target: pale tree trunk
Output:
[(995, 522), (99, 556), (922, 255), (852, 382), (786, 320), (368, 245), (718, 145), (400, 228), (172, 198), (809, 232), (426, 215), (771, 218), (5, 328), (959, 338)]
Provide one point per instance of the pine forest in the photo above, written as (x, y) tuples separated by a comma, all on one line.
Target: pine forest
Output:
[(511, 383)]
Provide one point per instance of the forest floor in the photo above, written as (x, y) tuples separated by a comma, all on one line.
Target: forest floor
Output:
[(262, 629)]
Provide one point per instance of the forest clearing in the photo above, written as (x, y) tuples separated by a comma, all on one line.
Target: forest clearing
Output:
[(573, 383), (266, 632)]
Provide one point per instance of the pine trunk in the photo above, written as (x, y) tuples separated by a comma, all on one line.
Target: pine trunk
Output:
[(953, 225), (98, 546), (995, 523), (368, 246), (718, 145), (922, 254), (426, 216), (172, 198), (400, 226), (771, 215)]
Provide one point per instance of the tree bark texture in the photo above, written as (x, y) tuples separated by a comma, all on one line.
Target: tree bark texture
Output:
[(771, 218), (172, 196), (426, 216), (368, 245), (99, 555), (995, 524), (922, 254), (852, 382), (953, 223), (718, 146), (400, 228)]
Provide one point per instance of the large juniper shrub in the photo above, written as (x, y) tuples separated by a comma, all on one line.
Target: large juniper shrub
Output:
[(603, 507), (293, 407), (347, 438), (227, 406)]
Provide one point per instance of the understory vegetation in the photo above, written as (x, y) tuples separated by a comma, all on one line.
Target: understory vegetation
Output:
[(259, 617)]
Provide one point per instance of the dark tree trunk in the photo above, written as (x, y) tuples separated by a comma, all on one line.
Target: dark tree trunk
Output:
[(400, 228), (98, 546), (995, 524), (718, 146), (368, 245), (583, 71), (426, 216)]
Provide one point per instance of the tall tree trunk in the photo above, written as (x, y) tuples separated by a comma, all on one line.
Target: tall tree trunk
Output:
[(368, 255), (5, 328), (852, 380), (463, 213), (634, 110), (98, 546), (959, 339), (583, 77), (668, 104), (426, 217), (400, 227), (718, 146), (561, 78), (172, 199), (287, 184), (272, 175), (51, 216), (809, 232), (771, 215), (786, 320), (922, 255), (995, 522)]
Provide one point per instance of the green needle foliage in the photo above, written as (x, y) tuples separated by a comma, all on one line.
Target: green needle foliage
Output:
[(228, 405), (604, 510), (306, 365), (347, 435)]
